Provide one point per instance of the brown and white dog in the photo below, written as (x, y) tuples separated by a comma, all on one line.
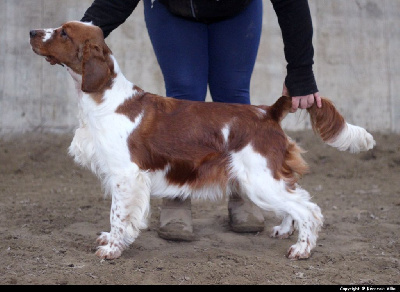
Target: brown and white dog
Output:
[(141, 144)]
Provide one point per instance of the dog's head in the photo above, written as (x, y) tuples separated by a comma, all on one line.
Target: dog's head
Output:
[(79, 46)]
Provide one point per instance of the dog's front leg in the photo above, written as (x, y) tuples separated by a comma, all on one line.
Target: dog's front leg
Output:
[(129, 210)]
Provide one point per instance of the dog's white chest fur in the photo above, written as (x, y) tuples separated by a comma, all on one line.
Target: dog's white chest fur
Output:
[(100, 142)]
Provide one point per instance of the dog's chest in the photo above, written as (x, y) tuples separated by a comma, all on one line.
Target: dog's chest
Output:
[(101, 141)]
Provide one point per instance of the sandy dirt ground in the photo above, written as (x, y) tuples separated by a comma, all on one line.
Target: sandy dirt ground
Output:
[(51, 212)]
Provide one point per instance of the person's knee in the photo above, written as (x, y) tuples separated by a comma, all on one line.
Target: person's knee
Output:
[(232, 87)]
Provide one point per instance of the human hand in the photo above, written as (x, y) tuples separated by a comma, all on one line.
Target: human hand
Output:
[(304, 101)]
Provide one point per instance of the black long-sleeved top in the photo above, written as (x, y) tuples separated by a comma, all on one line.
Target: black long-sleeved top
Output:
[(294, 20)]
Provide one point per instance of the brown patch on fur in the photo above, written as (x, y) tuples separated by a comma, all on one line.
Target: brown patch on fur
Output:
[(280, 108), (326, 121), (97, 70), (294, 166)]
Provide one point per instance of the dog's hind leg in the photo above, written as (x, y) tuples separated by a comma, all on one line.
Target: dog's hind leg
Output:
[(255, 179), (129, 210), (307, 220), (298, 213)]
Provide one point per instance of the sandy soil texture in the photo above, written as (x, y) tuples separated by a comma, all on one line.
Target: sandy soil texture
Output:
[(51, 211)]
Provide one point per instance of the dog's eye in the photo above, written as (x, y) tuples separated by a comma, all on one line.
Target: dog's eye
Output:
[(63, 33)]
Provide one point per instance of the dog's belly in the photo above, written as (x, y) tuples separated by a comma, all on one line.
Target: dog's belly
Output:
[(162, 188)]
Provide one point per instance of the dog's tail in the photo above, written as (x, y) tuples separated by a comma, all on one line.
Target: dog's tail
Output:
[(329, 124)]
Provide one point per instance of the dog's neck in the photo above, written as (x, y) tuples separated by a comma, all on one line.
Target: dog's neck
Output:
[(77, 81)]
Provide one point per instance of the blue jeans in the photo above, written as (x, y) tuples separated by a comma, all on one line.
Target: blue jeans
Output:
[(194, 55)]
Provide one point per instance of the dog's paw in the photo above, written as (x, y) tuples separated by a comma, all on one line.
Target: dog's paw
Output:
[(281, 233), (300, 250), (103, 239), (284, 230), (108, 252)]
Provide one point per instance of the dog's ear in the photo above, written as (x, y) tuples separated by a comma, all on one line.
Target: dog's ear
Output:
[(95, 70)]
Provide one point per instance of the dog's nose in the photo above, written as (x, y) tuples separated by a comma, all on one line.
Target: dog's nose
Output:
[(32, 33)]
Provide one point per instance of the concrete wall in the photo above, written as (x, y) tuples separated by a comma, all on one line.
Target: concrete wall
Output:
[(357, 63)]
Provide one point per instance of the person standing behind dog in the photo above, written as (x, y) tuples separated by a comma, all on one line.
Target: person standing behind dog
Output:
[(214, 43)]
